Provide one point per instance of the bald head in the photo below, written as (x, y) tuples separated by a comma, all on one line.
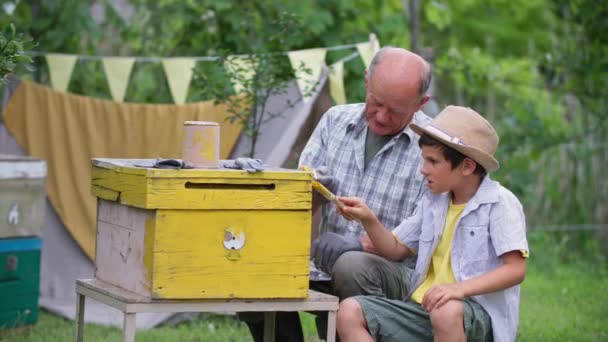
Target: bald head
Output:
[(401, 68), (396, 85)]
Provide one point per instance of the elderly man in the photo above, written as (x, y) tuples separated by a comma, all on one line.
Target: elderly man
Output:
[(366, 150)]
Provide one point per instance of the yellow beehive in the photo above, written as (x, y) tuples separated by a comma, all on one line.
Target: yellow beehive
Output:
[(202, 233)]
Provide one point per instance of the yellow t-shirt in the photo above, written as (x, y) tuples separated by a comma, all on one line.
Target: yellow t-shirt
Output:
[(440, 269)]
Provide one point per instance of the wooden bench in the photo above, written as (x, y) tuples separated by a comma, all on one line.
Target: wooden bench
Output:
[(130, 304)]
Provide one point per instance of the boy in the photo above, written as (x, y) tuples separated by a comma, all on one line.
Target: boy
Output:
[(469, 234)]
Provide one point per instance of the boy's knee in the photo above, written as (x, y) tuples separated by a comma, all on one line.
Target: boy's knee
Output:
[(449, 315), (349, 314)]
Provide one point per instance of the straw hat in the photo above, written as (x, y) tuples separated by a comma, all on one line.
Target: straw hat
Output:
[(467, 132)]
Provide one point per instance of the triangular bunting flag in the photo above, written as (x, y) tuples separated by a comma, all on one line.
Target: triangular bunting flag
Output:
[(313, 59), (60, 69), (241, 70), (367, 51), (336, 83), (179, 75), (118, 70)]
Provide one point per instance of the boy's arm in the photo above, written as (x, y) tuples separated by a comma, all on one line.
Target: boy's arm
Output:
[(510, 273), (383, 240)]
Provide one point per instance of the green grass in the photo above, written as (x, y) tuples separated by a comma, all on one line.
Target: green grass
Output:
[(564, 298), (565, 304), (205, 328)]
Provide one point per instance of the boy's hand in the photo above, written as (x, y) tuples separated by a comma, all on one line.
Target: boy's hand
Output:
[(367, 244), (354, 208), (438, 295)]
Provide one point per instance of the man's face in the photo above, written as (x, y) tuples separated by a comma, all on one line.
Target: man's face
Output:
[(437, 170), (386, 116)]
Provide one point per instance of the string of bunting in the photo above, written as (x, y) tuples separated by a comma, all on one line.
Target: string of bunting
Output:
[(178, 70)]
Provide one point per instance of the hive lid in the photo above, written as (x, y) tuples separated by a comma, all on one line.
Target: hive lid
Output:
[(144, 167), (12, 167)]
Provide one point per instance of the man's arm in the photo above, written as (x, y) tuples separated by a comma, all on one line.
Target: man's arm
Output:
[(510, 273)]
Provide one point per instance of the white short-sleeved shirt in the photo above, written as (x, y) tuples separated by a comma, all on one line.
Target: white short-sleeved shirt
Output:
[(491, 224)]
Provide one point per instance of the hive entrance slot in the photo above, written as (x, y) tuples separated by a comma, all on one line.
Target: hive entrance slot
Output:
[(226, 186)]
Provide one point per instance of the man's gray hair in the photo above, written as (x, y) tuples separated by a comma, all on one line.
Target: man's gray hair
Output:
[(425, 78)]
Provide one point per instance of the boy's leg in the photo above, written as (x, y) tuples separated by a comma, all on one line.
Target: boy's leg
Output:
[(461, 321), (351, 323), (477, 322), (448, 322), (395, 320)]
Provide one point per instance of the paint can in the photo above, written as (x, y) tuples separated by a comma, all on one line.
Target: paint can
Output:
[(201, 144)]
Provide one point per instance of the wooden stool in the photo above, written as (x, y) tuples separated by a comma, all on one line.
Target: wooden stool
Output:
[(130, 304)]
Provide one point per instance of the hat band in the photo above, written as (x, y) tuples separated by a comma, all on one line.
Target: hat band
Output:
[(443, 135)]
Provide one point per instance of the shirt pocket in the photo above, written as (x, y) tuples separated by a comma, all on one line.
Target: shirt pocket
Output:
[(476, 242)]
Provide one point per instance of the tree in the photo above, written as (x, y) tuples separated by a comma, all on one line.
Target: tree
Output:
[(260, 74), (12, 55)]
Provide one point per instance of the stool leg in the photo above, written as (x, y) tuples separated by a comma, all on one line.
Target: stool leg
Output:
[(331, 326), (129, 327), (269, 322), (79, 317)]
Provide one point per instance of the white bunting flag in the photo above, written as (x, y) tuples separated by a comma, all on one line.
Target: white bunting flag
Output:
[(60, 69), (118, 70), (179, 75), (313, 59), (367, 51), (336, 83), (241, 70)]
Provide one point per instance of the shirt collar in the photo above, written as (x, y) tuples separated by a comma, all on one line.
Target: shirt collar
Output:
[(488, 192)]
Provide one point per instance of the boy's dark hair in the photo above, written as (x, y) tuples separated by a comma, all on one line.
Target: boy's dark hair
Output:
[(450, 154)]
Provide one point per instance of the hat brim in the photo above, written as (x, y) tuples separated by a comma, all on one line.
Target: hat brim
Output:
[(487, 161)]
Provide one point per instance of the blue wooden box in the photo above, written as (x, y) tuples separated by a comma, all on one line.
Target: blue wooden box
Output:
[(19, 281)]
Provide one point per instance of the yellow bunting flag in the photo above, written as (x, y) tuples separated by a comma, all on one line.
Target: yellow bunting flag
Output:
[(179, 74), (367, 51), (241, 70), (313, 59), (60, 69), (336, 83), (118, 70)]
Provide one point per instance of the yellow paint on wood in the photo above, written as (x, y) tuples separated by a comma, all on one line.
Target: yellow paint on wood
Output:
[(241, 191), (148, 262), (130, 188), (191, 261)]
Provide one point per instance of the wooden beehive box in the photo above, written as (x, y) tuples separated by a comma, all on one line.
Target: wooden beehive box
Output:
[(22, 195), (202, 233)]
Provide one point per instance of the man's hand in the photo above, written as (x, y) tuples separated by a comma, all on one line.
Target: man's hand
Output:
[(438, 295), (328, 181), (328, 247)]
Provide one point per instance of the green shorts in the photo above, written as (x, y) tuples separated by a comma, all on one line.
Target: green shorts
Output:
[(396, 320)]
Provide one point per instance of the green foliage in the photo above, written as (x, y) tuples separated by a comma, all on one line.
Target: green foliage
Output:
[(271, 75), (12, 55)]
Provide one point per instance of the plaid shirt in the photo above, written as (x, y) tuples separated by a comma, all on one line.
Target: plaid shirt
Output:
[(492, 223), (389, 185)]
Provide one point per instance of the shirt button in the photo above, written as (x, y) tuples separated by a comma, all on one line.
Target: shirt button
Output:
[(472, 233)]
